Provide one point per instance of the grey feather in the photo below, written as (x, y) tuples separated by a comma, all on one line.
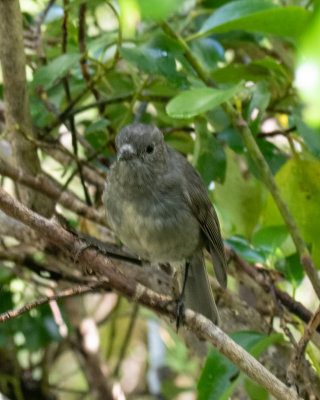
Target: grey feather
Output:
[(159, 207)]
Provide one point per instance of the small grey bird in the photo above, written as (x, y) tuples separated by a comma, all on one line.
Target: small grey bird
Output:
[(158, 205)]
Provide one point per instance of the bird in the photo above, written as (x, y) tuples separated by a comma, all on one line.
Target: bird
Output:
[(159, 207)]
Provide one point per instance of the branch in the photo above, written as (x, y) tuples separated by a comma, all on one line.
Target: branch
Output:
[(61, 295), (17, 107), (284, 132), (258, 276), (312, 326), (60, 153), (135, 291), (266, 175), (83, 50), (127, 338), (52, 189)]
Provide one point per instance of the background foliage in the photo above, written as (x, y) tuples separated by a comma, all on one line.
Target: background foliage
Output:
[(92, 67)]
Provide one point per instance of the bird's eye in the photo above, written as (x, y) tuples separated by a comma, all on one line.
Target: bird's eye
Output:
[(149, 149)]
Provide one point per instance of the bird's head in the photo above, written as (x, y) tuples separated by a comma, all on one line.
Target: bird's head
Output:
[(141, 146)]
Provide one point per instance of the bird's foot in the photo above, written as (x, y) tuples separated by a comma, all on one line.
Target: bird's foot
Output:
[(88, 241), (180, 312)]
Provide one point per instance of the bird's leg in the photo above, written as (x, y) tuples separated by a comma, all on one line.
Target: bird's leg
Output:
[(180, 311)]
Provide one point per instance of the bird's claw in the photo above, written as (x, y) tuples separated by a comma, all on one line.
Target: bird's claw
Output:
[(180, 313)]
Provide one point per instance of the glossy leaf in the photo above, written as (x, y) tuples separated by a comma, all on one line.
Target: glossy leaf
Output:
[(209, 155), (242, 247), (47, 75), (153, 61), (197, 101), (291, 268), (270, 238), (257, 106), (233, 139), (261, 16), (240, 199), (299, 185)]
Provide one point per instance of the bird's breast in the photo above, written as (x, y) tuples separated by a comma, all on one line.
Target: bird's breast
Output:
[(156, 225)]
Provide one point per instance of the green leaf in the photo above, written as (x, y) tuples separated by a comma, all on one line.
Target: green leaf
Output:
[(6, 302), (270, 238), (152, 61), (208, 51), (209, 156), (5, 275), (240, 199), (255, 391), (291, 268), (272, 154), (211, 162), (181, 141), (261, 16), (259, 102), (219, 376), (233, 139), (244, 249), (47, 75), (197, 101), (158, 10), (299, 183), (311, 136), (98, 126), (96, 133)]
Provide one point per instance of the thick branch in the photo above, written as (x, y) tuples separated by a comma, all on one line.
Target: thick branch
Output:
[(195, 322), (53, 190), (17, 109)]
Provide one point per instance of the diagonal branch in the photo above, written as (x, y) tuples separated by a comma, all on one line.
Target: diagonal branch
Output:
[(61, 295), (203, 328), (49, 187)]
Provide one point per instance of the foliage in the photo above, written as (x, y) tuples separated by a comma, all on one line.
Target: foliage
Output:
[(262, 56)]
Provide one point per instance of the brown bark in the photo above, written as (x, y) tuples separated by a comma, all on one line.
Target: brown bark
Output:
[(17, 107)]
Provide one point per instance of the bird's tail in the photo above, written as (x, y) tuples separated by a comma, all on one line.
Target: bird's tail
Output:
[(198, 293)]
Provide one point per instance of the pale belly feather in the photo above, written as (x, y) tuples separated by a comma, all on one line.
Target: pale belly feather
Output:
[(157, 234)]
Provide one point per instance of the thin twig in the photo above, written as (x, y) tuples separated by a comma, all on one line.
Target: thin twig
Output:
[(69, 100), (127, 338), (312, 326), (43, 14), (284, 132), (52, 189), (83, 50), (61, 295), (120, 99), (53, 145), (119, 41), (291, 304)]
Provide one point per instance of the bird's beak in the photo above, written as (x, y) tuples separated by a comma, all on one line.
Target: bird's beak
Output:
[(126, 152)]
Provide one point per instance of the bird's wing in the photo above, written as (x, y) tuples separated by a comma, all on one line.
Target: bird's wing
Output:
[(197, 197)]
